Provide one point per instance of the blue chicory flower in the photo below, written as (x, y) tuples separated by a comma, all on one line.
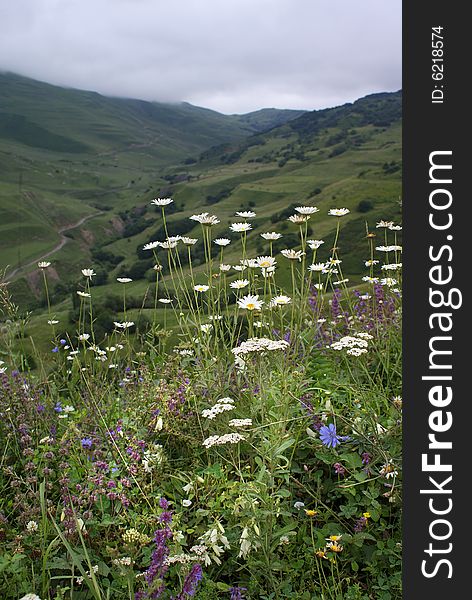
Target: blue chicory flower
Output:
[(329, 437)]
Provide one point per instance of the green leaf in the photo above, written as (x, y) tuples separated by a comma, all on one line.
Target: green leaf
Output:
[(352, 459), (284, 446)]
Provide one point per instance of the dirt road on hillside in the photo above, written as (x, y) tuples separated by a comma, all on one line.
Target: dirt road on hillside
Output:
[(61, 244)]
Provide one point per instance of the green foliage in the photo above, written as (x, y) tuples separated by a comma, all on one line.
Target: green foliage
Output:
[(134, 413), (364, 206)]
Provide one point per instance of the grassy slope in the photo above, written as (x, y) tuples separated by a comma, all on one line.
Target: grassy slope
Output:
[(66, 153), (339, 154)]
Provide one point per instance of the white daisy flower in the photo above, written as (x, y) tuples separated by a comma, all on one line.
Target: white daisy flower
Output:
[(164, 300), (150, 246), (246, 214), (338, 212), (264, 262), (298, 218), (205, 219), (388, 281), (43, 264), (162, 201), (83, 337), (314, 244), (293, 254), (271, 236), (240, 227), (239, 284), (88, 273), (201, 288), (307, 210), (317, 267), (188, 241), (168, 244), (280, 301), (53, 322), (389, 248), (222, 241), (250, 302), (224, 268), (124, 279)]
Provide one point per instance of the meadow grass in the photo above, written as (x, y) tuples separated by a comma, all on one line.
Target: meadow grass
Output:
[(243, 440)]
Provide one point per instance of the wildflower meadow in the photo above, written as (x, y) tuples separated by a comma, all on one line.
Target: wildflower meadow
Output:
[(244, 444)]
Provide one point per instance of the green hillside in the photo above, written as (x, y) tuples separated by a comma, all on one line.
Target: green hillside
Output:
[(348, 156), (71, 121), (66, 154)]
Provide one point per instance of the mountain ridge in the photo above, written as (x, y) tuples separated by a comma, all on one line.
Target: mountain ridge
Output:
[(31, 104)]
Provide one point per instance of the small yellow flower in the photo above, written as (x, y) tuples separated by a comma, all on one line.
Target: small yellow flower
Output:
[(336, 547), (366, 515), (320, 553), (311, 513)]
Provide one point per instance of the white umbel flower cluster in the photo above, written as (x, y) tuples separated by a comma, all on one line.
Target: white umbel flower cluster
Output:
[(220, 440), (259, 345), (183, 558), (223, 405), (354, 345), (240, 423)]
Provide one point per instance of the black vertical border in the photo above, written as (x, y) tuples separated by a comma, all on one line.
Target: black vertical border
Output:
[(429, 127)]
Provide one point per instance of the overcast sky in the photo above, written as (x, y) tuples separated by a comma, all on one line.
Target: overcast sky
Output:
[(230, 55)]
